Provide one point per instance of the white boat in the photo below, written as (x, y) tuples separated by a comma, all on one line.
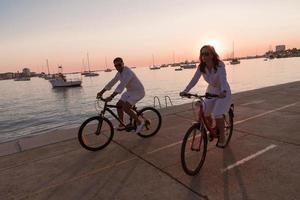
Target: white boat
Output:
[(107, 70), (153, 67), (188, 65), (60, 81), (164, 65), (85, 73), (234, 61), (178, 69), (90, 74)]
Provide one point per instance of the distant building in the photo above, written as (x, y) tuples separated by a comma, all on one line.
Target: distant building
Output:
[(26, 72), (8, 75), (280, 48)]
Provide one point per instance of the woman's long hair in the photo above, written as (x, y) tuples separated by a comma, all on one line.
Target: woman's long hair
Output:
[(216, 58)]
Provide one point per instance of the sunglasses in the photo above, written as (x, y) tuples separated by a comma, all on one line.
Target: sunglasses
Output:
[(205, 54), (118, 65)]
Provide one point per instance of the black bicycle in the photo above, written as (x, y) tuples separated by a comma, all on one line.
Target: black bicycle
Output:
[(194, 144), (97, 132)]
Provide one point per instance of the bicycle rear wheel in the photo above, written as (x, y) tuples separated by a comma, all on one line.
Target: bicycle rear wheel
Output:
[(228, 119), (193, 149), (152, 119), (95, 133)]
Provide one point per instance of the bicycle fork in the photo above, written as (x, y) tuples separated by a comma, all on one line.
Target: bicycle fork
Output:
[(99, 126), (196, 141)]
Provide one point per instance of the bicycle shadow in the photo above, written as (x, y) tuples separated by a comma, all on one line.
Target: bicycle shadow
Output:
[(196, 183), (92, 189), (69, 173), (120, 183), (228, 159)]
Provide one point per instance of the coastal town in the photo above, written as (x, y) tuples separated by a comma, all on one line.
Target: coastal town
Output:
[(279, 52)]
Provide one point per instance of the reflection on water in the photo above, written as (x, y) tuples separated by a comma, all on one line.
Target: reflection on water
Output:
[(33, 107)]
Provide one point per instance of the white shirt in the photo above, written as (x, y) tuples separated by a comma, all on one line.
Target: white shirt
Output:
[(128, 80), (217, 81)]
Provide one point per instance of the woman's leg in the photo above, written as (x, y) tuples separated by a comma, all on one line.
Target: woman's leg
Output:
[(222, 107), (221, 126)]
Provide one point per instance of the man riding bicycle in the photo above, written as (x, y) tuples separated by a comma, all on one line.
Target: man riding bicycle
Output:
[(134, 93)]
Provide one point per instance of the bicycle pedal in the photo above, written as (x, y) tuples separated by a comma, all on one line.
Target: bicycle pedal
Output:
[(193, 149), (147, 124)]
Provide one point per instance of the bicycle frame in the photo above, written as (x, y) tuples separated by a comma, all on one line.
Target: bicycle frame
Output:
[(107, 108), (201, 118)]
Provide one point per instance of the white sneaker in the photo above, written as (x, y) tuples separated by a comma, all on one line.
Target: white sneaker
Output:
[(140, 127)]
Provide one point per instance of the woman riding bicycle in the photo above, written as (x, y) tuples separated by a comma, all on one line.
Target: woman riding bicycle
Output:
[(213, 71)]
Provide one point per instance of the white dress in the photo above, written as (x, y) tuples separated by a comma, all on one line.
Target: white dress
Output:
[(134, 88), (217, 82)]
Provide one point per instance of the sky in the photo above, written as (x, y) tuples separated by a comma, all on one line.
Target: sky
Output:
[(64, 31)]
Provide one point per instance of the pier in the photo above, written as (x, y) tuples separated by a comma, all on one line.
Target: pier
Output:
[(261, 162)]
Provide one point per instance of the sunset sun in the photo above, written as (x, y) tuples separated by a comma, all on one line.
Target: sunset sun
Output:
[(216, 44)]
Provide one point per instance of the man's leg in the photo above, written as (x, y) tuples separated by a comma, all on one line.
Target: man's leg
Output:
[(127, 107), (120, 106)]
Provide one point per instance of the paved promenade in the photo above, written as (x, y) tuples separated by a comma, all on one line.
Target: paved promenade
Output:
[(261, 162)]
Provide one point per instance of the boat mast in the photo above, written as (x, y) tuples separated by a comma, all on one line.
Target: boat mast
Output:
[(173, 57), (153, 60), (105, 62), (47, 66), (83, 64), (233, 50), (88, 62)]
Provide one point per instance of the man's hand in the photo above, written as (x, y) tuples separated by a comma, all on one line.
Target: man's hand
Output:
[(108, 99), (182, 94), (99, 94)]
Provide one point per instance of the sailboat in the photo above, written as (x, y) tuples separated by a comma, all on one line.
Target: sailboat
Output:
[(48, 76), (89, 73), (107, 69), (153, 67), (84, 72), (234, 61), (175, 64)]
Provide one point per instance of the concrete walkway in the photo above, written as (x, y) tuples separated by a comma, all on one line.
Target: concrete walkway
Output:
[(261, 162)]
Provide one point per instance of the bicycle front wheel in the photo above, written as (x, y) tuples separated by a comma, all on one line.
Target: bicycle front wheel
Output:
[(152, 119), (193, 149), (95, 133)]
